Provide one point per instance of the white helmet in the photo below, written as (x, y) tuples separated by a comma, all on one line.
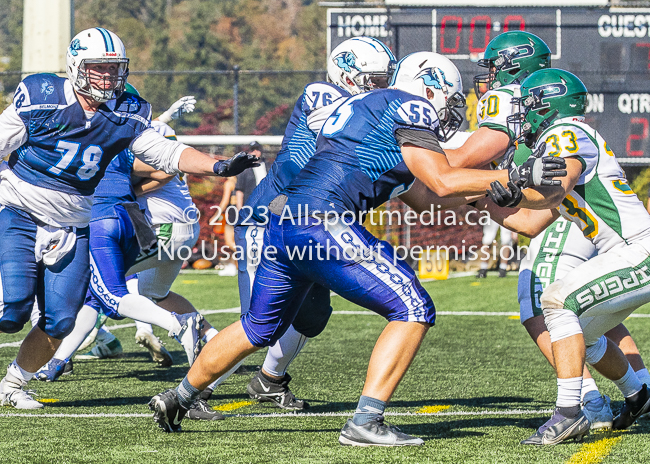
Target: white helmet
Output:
[(360, 64), (94, 46), (436, 78)]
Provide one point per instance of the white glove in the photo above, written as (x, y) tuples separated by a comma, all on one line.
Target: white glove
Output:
[(184, 105)]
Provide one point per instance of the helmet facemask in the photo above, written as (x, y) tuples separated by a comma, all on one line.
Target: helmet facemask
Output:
[(449, 116), (532, 118), (107, 87)]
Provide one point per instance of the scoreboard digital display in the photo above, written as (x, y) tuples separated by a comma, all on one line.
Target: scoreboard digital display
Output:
[(608, 48)]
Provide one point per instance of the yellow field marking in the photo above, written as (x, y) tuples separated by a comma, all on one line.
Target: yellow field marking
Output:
[(433, 409), (48, 400), (475, 284), (513, 317), (190, 281), (593, 453), (233, 406)]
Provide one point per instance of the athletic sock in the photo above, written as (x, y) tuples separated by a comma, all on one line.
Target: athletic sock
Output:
[(484, 265), (84, 324), (643, 376), (143, 309), (568, 393), (283, 352), (588, 386), (503, 266), (18, 373), (187, 394), (368, 409), (209, 334), (629, 384), (143, 327)]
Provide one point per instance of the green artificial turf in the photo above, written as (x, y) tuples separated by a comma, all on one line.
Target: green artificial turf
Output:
[(485, 366)]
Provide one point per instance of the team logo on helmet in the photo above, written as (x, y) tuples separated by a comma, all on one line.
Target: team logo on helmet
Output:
[(47, 88), (346, 61), (505, 61), (75, 46), (431, 79), (538, 95)]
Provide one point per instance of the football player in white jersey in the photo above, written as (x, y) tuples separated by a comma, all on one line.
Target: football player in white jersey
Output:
[(602, 292), (61, 135), (510, 58)]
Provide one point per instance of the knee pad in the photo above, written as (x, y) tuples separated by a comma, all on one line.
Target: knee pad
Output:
[(561, 323), (315, 312), (59, 328), (553, 296), (14, 316), (596, 352)]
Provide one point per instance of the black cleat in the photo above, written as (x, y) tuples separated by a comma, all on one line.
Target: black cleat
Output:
[(261, 389), (167, 411), (558, 429), (634, 407), (376, 433), (201, 410), (503, 272), (482, 274)]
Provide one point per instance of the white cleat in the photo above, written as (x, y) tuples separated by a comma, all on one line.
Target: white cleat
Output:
[(13, 395)]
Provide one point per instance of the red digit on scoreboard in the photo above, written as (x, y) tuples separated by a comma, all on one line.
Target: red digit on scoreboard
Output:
[(443, 26), (633, 137), (513, 18), (486, 33)]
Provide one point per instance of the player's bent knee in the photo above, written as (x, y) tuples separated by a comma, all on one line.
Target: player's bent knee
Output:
[(10, 327), (561, 323), (60, 328), (553, 296), (15, 315), (595, 352)]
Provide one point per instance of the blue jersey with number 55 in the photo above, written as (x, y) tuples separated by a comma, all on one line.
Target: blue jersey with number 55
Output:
[(358, 164), (66, 151), (298, 146)]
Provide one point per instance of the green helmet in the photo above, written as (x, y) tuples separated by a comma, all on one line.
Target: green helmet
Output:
[(510, 58), (129, 88), (547, 95)]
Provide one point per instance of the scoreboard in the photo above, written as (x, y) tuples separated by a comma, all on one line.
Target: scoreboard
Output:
[(608, 48)]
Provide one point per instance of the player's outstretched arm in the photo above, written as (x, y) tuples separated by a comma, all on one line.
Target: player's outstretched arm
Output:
[(526, 222), (173, 157), (433, 169), (420, 199), (482, 147)]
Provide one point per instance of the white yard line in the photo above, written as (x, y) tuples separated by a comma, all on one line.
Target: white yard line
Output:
[(511, 412)]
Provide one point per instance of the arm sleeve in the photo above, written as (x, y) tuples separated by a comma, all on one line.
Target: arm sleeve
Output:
[(13, 132), (158, 151), (419, 138)]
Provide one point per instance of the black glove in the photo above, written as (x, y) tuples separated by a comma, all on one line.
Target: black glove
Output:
[(538, 170), (501, 196), (235, 165)]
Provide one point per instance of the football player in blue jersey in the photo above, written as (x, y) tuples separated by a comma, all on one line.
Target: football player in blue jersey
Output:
[(61, 134), (314, 236), (355, 66)]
